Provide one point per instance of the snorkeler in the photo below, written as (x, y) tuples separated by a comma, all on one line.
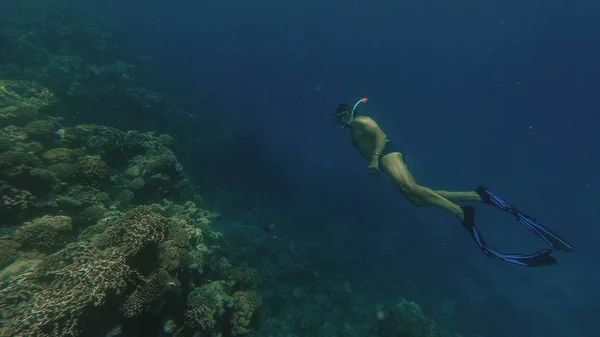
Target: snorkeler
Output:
[(373, 144)]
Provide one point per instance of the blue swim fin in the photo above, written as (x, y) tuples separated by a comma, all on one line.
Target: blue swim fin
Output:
[(541, 258), (527, 221)]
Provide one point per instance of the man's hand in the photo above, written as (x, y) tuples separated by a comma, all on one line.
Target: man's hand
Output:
[(374, 167)]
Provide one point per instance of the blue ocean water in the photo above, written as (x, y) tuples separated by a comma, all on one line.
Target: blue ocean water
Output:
[(475, 92), (500, 93)]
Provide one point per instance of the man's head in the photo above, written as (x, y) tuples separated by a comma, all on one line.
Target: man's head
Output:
[(345, 113), (344, 116)]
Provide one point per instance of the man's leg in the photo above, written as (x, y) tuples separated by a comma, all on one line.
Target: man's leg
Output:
[(394, 165), (470, 196)]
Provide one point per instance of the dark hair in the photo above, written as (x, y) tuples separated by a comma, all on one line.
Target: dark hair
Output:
[(343, 107)]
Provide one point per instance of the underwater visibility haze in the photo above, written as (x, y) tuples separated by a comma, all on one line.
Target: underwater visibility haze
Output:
[(197, 168)]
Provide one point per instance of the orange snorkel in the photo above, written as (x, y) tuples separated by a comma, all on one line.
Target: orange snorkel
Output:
[(362, 100)]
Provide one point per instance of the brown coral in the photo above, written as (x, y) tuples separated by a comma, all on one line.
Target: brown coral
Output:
[(8, 252), (91, 214), (245, 278), (63, 171), (154, 288), (41, 129), (15, 203), (406, 318), (45, 234), (93, 168), (206, 305), (20, 101), (244, 306), (14, 163), (174, 250), (48, 300), (134, 230), (5, 142), (58, 155)]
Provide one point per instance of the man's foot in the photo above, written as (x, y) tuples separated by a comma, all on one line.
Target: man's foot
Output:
[(527, 221), (469, 224), (468, 216)]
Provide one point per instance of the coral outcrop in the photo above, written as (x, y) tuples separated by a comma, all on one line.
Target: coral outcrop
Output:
[(95, 218), (245, 304), (405, 318)]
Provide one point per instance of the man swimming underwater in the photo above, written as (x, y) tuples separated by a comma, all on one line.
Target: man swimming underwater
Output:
[(373, 144)]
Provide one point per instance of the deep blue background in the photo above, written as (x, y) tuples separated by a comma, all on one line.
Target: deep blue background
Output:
[(497, 92)]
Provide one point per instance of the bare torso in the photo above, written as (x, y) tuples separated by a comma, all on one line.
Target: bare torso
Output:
[(363, 138)]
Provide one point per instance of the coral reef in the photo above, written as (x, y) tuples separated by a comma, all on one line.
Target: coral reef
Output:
[(63, 169), (110, 258), (75, 54), (95, 218), (406, 319), (98, 220)]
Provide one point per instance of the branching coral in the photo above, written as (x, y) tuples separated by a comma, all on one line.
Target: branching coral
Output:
[(174, 250), (134, 230), (154, 288), (48, 300), (206, 305)]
